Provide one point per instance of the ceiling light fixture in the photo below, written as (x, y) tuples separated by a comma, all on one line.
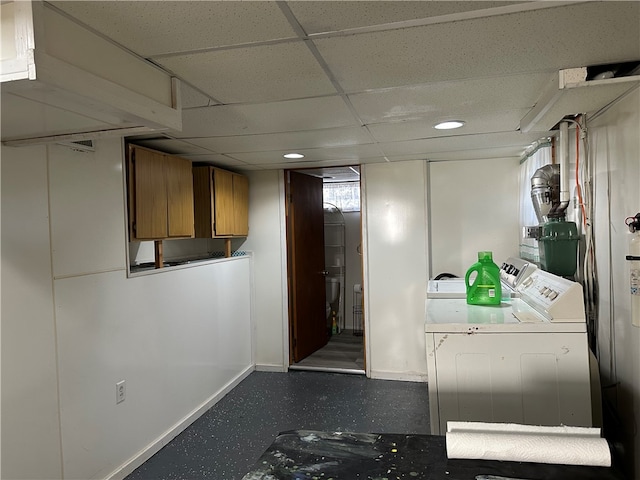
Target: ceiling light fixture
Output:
[(293, 155), (449, 125)]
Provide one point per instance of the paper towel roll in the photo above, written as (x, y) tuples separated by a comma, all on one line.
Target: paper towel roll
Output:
[(519, 428), (525, 443)]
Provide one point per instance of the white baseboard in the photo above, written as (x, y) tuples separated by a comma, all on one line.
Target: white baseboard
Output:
[(270, 368), (400, 376), (153, 448)]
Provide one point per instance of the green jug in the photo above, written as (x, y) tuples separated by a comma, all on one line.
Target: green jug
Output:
[(486, 288)]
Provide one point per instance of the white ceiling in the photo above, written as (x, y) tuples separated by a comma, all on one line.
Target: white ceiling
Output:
[(355, 82)]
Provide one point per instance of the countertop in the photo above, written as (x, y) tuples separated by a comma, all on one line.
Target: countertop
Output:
[(306, 454)]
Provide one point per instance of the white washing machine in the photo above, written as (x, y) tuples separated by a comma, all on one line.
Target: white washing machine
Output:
[(525, 361)]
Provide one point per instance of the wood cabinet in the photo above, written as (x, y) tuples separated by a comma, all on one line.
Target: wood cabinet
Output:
[(221, 203), (160, 189)]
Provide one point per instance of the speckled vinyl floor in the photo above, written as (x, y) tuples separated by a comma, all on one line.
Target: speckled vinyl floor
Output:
[(225, 442)]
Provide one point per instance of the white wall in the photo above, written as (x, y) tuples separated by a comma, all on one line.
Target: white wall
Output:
[(396, 210), (267, 241), (395, 282), (473, 207), (31, 447), (179, 338), (615, 144)]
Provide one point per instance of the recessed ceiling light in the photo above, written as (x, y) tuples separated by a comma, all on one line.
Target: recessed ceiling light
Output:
[(448, 125), (293, 155)]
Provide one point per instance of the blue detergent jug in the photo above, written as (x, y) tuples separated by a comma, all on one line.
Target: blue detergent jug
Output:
[(486, 288)]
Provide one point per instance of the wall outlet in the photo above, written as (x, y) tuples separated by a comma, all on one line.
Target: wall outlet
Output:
[(121, 391)]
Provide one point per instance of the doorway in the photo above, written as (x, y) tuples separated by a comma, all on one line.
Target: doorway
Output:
[(324, 270)]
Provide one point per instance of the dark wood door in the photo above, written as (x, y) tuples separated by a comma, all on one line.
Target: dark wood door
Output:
[(305, 256)]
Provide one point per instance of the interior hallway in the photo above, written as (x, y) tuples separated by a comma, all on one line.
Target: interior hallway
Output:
[(225, 442)]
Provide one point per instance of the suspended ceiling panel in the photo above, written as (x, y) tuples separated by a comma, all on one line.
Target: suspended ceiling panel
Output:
[(154, 28), (318, 17), (292, 115), (540, 40), (424, 128), (193, 98), (289, 70), (475, 154), (348, 154), (286, 142), (458, 143), (334, 175), (446, 99), (327, 163)]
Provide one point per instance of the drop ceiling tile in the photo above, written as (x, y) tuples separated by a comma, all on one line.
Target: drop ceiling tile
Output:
[(303, 165), (325, 163), (478, 154), (424, 128), (431, 146), (378, 159), (153, 28), (293, 115), (289, 141), (253, 74), (406, 158), (343, 155), (539, 40), (450, 98), (334, 174), (318, 17), (193, 98)]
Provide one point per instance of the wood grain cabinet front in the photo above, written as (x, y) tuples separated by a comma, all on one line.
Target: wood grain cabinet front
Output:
[(160, 189), (221, 203)]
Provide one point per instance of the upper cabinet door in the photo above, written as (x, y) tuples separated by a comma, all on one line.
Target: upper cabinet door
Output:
[(179, 197), (160, 190), (223, 202), (147, 194), (241, 205)]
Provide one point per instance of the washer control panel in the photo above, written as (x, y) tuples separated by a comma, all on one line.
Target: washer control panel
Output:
[(556, 298)]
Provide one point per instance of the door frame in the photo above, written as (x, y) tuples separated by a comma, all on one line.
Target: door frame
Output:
[(286, 303)]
